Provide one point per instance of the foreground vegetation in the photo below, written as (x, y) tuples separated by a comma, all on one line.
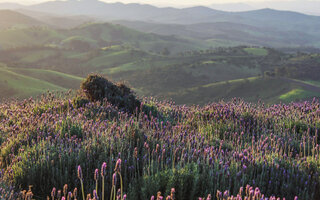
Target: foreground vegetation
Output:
[(134, 153)]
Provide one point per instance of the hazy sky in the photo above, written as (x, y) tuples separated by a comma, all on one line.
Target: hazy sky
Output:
[(304, 6), (163, 2)]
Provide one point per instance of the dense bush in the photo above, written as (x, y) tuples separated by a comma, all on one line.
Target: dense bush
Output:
[(98, 88)]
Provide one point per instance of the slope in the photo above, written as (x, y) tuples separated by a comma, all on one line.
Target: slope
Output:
[(57, 21), (12, 19), (62, 80), (95, 35), (254, 89), (21, 86)]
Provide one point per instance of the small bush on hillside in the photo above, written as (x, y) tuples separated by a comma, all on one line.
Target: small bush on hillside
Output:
[(97, 88), (79, 101)]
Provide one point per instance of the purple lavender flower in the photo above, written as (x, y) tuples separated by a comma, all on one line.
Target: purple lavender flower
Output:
[(114, 179), (80, 172), (103, 169), (53, 193), (95, 195), (118, 166)]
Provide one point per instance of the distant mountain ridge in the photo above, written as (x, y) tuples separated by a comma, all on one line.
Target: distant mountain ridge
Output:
[(168, 15), (232, 7), (264, 27)]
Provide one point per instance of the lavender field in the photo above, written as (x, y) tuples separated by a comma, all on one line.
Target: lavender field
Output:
[(56, 148), (178, 100)]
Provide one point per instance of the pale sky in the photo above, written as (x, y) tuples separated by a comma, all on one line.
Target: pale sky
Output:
[(161, 2), (305, 6)]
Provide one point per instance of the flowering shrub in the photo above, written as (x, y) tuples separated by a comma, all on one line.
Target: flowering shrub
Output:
[(195, 150)]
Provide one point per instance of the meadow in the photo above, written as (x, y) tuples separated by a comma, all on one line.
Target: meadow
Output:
[(209, 75), (65, 147)]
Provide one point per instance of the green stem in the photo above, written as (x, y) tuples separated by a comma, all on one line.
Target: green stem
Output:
[(121, 185), (111, 192), (102, 187), (114, 193), (82, 189)]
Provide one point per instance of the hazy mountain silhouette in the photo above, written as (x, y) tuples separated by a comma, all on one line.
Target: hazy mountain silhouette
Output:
[(143, 12), (304, 6), (232, 7), (263, 27)]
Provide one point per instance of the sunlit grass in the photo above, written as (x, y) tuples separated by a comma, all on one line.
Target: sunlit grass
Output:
[(296, 94), (24, 86), (256, 51)]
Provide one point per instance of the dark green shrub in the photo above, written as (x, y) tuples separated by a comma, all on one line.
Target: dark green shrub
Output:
[(98, 88), (95, 86)]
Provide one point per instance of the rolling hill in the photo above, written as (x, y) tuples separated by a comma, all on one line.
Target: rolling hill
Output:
[(265, 27), (57, 21), (182, 61), (194, 77), (228, 33), (91, 35), (12, 19), (19, 85), (253, 89)]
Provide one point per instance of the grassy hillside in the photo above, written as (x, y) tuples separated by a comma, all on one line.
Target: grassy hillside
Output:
[(94, 35), (297, 94), (17, 85), (233, 33), (57, 78), (153, 64), (194, 77), (23, 83), (252, 89), (35, 36)]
